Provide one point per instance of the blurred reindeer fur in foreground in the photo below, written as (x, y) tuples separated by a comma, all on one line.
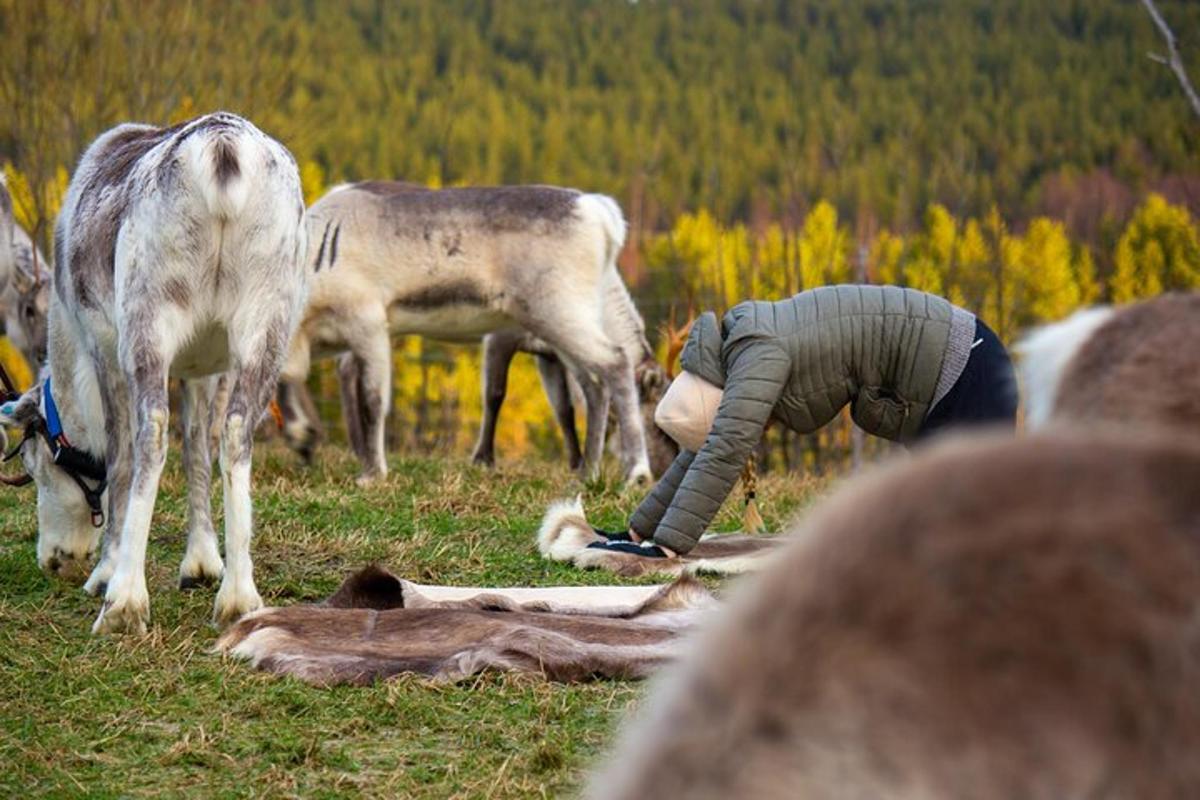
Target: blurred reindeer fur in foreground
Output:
[(996, 618)]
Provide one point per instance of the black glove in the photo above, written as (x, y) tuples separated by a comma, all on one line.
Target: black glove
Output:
[(646, 550), (613, 536)]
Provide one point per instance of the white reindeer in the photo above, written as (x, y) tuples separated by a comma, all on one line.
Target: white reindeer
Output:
[(179, 251), (456, 264)]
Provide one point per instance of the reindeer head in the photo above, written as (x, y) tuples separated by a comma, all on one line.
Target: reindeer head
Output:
[(25, 314), (68, 536), (8, 228)]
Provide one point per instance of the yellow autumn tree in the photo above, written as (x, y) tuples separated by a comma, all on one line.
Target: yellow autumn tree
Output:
[(312, 182), (972, 266), (887, 258), (822, 248), (1047, 288), (771, 278), (27, 198), (1158, 251)]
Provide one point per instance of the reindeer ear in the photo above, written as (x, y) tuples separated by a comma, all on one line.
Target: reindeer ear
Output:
[(23, 411)]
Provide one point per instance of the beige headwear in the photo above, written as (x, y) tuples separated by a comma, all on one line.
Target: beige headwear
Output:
[(687, 410)]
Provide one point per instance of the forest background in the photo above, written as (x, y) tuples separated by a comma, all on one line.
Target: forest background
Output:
[(1024, 158)]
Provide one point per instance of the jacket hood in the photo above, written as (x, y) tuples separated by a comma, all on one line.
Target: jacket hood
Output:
[(702, 355)]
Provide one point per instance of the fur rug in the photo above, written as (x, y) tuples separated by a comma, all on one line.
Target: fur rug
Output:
[(378, 625), (565, 535)]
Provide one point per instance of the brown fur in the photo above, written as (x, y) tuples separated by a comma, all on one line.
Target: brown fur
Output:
[(994, 619), (367, 631), (1141, 366), (499, 208)]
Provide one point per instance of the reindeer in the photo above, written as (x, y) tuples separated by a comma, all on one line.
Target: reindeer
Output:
[(456, 264), (178, 251), (24, 287), (8, 228), (995, 618), (651, 377), (26, 299), (1134, 364)]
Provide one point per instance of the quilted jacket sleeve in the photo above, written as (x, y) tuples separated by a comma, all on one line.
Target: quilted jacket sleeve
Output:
[(756, 372), (647, 516)]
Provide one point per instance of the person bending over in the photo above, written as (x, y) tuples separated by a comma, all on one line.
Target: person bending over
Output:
[(907, 362)]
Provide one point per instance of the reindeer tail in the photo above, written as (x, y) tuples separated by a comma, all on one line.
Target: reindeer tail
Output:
[(565, 531), (218, 165), (606, 210)]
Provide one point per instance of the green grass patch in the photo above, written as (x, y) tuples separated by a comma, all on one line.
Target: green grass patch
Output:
[(158, 715)]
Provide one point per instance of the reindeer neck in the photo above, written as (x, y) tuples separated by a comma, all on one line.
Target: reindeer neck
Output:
[(74, 386)]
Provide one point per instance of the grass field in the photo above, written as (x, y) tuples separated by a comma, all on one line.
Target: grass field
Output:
[(158, 715)]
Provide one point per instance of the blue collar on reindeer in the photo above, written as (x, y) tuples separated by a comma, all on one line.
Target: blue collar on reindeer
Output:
[(53, 423), (77, 463)]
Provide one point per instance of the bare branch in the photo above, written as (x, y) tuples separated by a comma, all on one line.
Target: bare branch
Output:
[(1172, 58)]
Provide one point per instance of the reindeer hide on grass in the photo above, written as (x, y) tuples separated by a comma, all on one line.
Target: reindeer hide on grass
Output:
[(378, 625), (565, 535)]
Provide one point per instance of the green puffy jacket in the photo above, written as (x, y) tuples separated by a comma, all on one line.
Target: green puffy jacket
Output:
[(889, 352)]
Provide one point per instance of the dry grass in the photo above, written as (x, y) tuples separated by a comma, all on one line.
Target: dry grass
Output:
[(158, 715)]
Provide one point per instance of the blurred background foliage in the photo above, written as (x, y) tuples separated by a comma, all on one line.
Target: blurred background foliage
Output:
[(1022, 158)]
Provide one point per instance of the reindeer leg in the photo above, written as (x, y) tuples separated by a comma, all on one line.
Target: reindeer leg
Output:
[(498, 352), (375, 389), (201, 560), (604, 373), (349, 376), (619, 377), (144, 363), (257, 363), (554, 382), (300, 426), (114, 398)]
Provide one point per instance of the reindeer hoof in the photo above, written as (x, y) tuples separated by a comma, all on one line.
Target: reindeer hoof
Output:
[(188, 582), (370, 478), (201, 567), (125, 615), (231, 604), (640, 476)]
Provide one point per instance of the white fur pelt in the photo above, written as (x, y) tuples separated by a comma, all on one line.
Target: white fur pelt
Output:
[(565, 534), (1045, 354)]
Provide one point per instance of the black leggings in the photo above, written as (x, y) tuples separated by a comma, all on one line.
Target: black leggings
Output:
[(985, 393)]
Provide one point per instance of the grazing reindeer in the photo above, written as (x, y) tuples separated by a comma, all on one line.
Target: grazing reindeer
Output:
[(456, 264), (1134, 364), (26, 299), (652, 381), (8, 228), (24, 285), (996, 618), (179, 251)]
